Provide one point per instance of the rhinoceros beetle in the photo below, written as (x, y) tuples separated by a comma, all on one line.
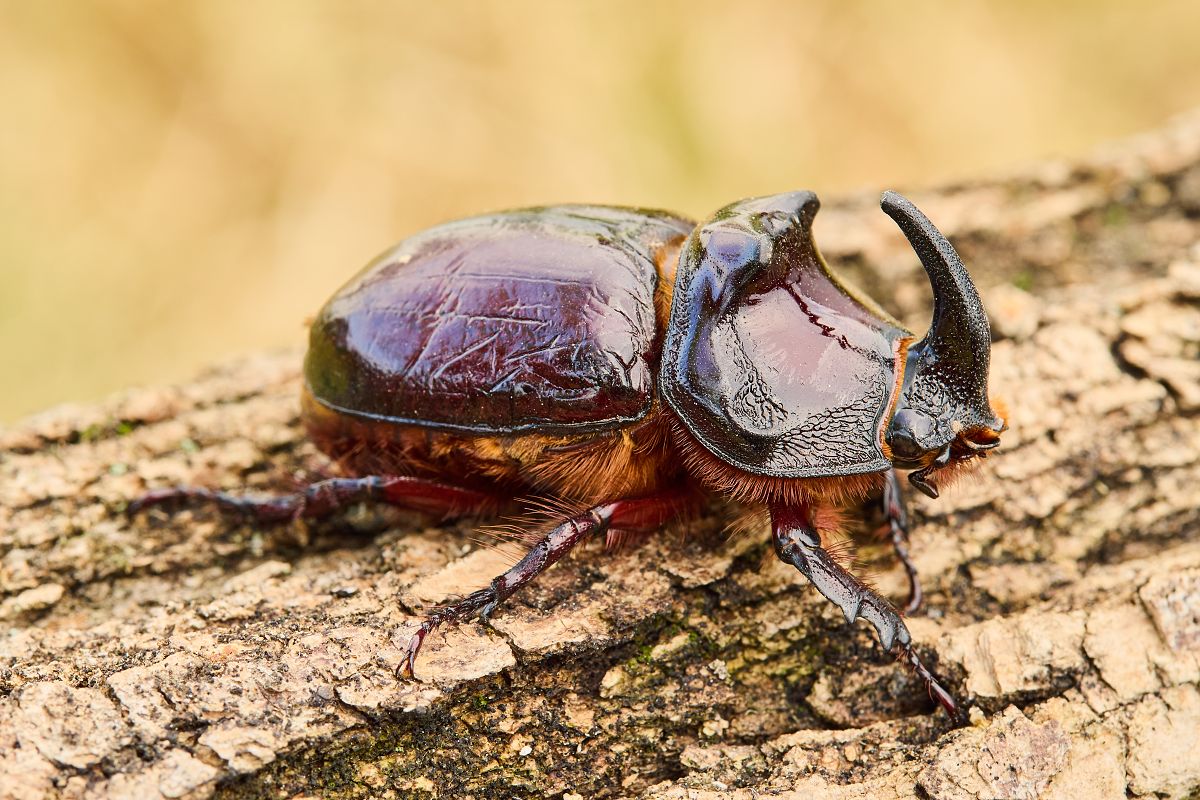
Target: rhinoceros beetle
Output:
[(628, 362)]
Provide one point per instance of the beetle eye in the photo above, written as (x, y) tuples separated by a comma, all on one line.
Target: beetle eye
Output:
[(904, 446), (732, 248), (908, 430)]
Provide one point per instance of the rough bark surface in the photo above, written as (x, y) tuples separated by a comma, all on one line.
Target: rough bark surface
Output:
[(191, 655)]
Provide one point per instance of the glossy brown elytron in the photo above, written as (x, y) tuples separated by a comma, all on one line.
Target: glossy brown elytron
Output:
[(629, 362)]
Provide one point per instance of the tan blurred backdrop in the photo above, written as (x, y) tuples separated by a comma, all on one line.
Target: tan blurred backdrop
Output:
[(184, 181)]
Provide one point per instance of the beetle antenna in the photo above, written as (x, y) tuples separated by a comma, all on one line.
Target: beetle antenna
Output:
[(952, 360)]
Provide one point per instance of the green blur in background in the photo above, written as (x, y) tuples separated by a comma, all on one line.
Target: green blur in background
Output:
[(180, 182)]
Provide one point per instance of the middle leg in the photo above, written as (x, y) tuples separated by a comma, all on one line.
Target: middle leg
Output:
[(635, 515)]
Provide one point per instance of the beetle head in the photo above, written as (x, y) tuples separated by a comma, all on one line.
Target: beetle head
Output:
[(943, 416)]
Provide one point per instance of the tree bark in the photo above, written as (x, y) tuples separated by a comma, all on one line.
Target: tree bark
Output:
[(195, 655)]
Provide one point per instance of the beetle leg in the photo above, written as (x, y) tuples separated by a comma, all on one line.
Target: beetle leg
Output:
[(897, 521), (621, 515), (323, 498), (798, 543)]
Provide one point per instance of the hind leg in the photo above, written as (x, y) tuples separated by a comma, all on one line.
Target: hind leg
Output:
[(323, 498), (636, 515), (798, 543)]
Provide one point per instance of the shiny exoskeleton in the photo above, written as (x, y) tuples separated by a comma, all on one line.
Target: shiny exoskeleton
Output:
[(626, 363)]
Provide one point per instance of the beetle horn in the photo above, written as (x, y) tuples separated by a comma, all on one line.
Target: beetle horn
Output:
[(951, 362)]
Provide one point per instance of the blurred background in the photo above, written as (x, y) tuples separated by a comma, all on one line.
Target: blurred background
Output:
[(180, 182)]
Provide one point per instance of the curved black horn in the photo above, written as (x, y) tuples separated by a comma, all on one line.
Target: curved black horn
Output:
[(952, 359)]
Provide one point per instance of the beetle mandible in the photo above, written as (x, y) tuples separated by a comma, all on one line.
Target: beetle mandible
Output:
[(630, 362)]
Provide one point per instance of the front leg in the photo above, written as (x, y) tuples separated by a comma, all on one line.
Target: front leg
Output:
[(798, 543), (897, 524)]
